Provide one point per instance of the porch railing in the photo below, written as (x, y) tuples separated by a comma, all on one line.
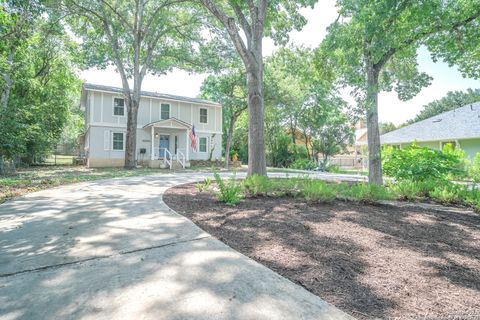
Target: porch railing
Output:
[(167, 157), (181, 158)]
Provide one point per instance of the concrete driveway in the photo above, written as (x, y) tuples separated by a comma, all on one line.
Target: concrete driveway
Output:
[(113, 250)]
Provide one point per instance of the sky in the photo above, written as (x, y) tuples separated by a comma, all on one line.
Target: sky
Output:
[(391, 109)]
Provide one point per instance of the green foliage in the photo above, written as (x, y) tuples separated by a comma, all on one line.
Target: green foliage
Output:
[(412, 190), (303, 164), (474, 169), (421, 163), (40, 87), (229, 192), (385, 127), (205, 185), (367, 192), (318, 191), (256, 185)]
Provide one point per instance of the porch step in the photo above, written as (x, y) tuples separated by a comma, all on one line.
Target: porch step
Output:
[(175, 165)]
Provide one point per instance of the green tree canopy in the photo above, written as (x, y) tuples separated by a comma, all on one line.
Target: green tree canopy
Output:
[(374, 44)]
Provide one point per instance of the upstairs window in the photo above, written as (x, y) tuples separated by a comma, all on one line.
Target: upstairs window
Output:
[(118, 107), (164, 111), (117, 141), (203, 115)]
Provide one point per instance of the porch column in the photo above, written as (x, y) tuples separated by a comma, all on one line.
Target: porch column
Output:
[(152, 151), (186, 146)]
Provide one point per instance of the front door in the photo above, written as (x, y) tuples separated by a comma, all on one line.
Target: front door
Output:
[(164, 144)]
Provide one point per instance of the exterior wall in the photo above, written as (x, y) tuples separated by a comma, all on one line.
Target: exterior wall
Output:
[(101, 123), (101, 112)]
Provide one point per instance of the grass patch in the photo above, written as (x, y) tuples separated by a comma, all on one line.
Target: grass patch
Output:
[(314, 190), (38, 178)]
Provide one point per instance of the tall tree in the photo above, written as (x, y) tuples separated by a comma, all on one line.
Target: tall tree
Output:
[(247, 22), (43, 87), (137, 37), (228, 89), (375, 42)]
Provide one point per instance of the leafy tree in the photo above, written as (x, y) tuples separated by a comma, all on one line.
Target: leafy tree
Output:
[(459, 45), (453, 100), (137, 37), (43, 87), (385, 127), (228, 89), (247, 22), (374, 43)]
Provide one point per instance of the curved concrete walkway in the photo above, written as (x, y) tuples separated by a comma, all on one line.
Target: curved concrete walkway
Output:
[(112, 249)]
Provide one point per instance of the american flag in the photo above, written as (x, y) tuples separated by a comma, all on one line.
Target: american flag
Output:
[(193, 138)]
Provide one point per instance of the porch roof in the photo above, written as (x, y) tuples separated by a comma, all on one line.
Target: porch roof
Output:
[(173, 123)]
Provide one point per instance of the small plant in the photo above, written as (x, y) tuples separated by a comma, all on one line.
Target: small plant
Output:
[(205, 185), (257, 185), (318, 191), (230, 192)]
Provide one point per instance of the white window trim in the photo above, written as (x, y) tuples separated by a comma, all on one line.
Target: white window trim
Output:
[(200, 116), (123, 144), (124, 107), (169, 110), (206, 147)]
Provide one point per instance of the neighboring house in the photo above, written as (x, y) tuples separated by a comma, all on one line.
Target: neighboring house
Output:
[(163, 129), (460, 127)]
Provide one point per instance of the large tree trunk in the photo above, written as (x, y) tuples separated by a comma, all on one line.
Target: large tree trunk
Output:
[(131, 140), (256, 139), (374, 156), (233, 119)]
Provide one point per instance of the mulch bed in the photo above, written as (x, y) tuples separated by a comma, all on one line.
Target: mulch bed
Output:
[(371, 261)]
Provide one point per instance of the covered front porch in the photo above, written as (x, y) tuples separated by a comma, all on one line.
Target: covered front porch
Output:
[(169, 144)]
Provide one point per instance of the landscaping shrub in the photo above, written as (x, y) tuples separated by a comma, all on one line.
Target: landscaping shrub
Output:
[(474, 169), (411, 190), (229, 192), (303, 164), (367, 192), (420, 163), (318, 191), (257, 185)]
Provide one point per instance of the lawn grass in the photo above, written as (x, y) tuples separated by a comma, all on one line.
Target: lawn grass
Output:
[(38, 178), (315, 190)]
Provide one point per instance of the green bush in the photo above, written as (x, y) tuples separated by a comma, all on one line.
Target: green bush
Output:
[(367, 192), (230, 192), (474, 169), (318, 191), (303, 164), (257, 185), (420, 163), (412, 190)]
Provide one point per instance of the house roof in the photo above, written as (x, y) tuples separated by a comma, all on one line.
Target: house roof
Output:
[(97, 87), (460, 123), (170, 122)]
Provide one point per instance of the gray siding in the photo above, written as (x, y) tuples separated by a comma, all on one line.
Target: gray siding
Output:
[(101, 123)]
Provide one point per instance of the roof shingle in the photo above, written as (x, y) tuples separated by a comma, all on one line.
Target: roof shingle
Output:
[(460, 123), (89, 86)]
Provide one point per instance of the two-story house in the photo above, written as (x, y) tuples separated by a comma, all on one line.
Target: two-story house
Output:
[(164, 128)]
